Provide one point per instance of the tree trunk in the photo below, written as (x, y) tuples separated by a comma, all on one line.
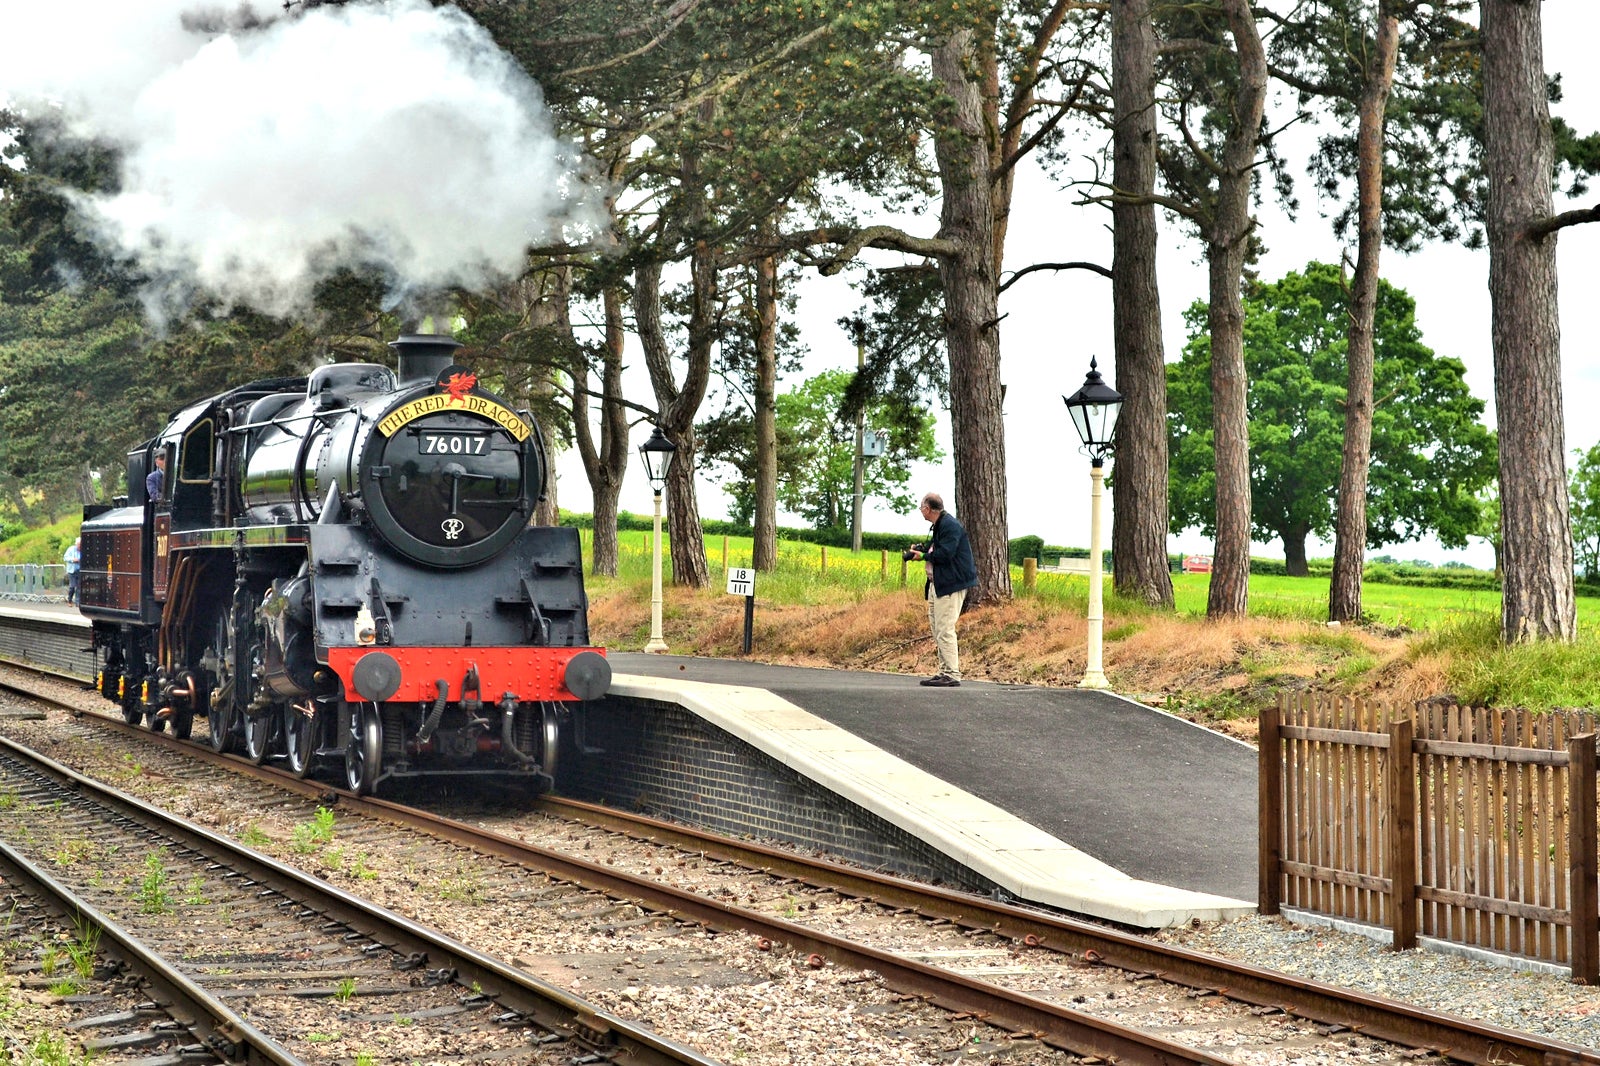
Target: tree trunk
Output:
[(1227, 242), (548, 295), (1139, 518), (677, 405), (1350, 521), (689, 566), (764, 550), (1294, 552), (1537, 599), (605, 462), (965, 147)]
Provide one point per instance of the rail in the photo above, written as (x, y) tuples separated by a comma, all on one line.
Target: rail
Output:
[(1096, 945)]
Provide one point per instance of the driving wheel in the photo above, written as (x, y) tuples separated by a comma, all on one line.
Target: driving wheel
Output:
[(363, 746), (300, 738)]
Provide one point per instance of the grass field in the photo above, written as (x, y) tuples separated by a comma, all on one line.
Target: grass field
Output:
[(1439, 639), (809, 573)]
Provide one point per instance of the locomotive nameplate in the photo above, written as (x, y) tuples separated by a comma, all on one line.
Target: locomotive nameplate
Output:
[(481, 406)]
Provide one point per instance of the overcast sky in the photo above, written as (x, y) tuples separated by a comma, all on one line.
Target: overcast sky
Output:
[(1055, 322)]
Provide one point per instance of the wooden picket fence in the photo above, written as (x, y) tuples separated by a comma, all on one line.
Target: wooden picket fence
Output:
[(1467, 825)]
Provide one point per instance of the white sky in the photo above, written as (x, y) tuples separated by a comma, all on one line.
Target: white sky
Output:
[(1056, 321)]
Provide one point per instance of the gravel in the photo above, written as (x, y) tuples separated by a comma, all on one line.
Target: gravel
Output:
[(1496, 993), (1493, 992)]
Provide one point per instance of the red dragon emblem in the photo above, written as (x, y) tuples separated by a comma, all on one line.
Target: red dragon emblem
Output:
[(458, 385)]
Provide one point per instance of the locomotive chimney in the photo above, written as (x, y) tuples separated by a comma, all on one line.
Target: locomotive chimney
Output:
[(423, 355)]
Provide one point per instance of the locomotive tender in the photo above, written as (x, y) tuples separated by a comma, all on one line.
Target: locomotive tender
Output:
[(340, 569)]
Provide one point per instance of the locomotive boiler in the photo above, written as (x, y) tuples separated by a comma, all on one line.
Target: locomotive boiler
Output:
[(339, 570)]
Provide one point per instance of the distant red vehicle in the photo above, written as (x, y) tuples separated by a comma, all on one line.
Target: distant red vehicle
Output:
[(1197, 564)]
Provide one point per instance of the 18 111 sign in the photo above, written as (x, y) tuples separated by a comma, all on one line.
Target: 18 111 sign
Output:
[(741, 581)]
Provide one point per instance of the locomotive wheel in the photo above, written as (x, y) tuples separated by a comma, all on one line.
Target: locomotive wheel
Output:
[(219, 712), (182, 717), (258, 733), (551, 739), (219, 720), (299, 740), (156, 725), (131, 711), (363, 751)]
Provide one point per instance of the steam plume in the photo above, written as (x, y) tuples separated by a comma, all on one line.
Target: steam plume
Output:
[(262, 152)]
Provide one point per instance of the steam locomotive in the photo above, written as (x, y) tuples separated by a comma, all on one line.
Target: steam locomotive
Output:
[(338, 571)]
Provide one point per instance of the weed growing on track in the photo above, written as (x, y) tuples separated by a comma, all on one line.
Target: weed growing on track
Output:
[(85, 945), (51, 1050), (308, 836), (153, 894)]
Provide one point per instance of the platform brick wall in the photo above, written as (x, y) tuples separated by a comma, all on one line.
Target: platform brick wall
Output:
[(667, 762), (53, 645)]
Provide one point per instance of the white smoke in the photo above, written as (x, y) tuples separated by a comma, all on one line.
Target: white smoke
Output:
[(262, 152)]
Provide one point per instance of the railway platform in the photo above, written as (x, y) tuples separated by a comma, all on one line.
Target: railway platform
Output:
[(1076, 799)]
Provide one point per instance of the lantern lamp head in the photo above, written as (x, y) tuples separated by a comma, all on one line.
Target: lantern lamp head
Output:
[(1094, 409), (657, 456)]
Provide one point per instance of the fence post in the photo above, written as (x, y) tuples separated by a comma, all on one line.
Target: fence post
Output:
[(1269, 809), (1030, 574), (724, 553), (824, 558), (885, 566), (902, 570), (1582, 824), (1401, 840)]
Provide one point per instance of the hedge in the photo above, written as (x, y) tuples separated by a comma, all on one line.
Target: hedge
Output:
[(1034, 547)]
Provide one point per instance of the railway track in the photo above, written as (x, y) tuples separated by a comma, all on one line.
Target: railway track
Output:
[(1068, 984), (263, 960)]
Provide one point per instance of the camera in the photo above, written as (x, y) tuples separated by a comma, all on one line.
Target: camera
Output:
[(911, 553)]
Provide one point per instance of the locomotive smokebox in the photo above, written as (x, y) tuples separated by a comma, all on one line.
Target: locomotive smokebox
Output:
[(423, 355)]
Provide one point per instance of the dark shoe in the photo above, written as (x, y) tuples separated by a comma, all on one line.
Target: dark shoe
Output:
[(941, 681)]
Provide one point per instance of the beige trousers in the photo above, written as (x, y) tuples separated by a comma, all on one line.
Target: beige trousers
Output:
[(942, 614)]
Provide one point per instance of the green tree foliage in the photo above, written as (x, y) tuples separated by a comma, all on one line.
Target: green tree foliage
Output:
[(70, 330), (816, 451), (1584, 489), (902, 332), (1430, 453)]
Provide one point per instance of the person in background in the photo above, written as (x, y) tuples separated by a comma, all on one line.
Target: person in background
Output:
[(155, 482), (74, 561), (951, 572)]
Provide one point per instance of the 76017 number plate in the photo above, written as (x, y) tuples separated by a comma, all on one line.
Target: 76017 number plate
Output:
[(454, 443)]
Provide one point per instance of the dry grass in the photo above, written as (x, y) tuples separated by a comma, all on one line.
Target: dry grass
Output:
[(1217, 673)]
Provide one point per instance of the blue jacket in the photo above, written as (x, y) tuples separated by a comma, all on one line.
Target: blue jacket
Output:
[(950, 553), (155, 483)]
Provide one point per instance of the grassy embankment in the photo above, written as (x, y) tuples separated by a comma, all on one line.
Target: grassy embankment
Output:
[(1419, 642)]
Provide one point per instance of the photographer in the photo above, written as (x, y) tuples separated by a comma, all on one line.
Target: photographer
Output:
[(951, 572)]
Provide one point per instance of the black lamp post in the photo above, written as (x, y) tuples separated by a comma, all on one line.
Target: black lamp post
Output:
[(656, 454), (1094, 409)]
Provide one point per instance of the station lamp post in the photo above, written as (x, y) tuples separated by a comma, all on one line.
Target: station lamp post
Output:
[(1094, 409), (657, 455)]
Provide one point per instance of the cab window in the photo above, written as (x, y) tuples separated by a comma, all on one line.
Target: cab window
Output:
[(196, 455)]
